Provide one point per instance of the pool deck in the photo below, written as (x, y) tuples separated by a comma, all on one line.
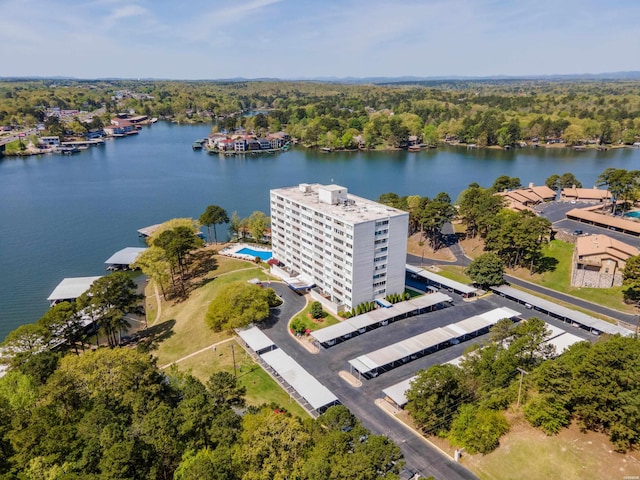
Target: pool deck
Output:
[(232, 251)]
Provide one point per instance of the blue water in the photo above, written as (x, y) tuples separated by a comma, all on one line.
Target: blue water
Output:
[(63, 216), (256, 253), (635, 214)]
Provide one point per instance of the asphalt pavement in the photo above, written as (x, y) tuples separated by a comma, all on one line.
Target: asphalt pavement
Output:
[(419, 455)]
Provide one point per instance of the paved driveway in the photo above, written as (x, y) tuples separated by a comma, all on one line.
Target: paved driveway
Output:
[(325, 365)]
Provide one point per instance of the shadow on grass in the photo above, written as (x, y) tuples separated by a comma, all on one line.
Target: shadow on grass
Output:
[(150, 338), (546, 264), (202, 262)]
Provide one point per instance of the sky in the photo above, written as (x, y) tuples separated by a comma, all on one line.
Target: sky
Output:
[(297, 39)]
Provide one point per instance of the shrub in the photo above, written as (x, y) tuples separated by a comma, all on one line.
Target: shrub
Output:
[(298, 326), (478, 429), (546, 413), (316, 310)]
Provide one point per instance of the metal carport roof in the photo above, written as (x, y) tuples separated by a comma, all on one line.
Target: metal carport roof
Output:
[(302, 381), (255, 339), (562, 312)]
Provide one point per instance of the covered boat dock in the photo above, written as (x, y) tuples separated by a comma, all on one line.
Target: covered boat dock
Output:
[(123, 259), (70, 288)]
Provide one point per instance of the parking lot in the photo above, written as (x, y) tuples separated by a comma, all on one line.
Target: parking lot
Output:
[(556, 211)]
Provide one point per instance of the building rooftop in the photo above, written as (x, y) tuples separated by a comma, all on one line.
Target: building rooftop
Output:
[(350, 208), (71, 288), (126, 256), (599, 244)]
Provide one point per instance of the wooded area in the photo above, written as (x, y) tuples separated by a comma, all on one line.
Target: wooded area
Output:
[(330, 115), (111, 414)]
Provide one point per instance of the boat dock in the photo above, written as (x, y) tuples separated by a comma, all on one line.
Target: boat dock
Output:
[(82, 143)]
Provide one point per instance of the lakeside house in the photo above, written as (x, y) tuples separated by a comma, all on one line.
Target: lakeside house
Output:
[(243, 142), (523, 198), (52, 141), (585, 194), (598, 261)]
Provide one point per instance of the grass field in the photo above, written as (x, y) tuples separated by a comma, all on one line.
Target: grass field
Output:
[(560, 279), (313, 325), (454, 272), (180, 330), (527, 454), (189, 332), (261, 388)]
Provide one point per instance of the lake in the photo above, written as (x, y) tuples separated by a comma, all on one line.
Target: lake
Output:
[(63, 216)]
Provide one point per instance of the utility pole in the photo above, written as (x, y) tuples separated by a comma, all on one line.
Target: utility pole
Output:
[(522, 374), (233, 354)]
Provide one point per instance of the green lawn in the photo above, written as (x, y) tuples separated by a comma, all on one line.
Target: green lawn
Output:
[(189, 332), (182, 331), (261, 388), (311, 324), (454, 272), (560, 279)]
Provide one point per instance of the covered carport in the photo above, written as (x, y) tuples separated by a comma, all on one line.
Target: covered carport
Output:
[(379, 317), (567, 315), (439, 281), (372, 364), (315, 394), (256, 340)]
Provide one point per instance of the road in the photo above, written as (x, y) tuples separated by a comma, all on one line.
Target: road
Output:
[(325, 365), (558, 209), (17, 136)]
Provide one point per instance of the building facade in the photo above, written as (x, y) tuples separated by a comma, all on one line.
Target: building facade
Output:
[(352, 249), (598, 261)]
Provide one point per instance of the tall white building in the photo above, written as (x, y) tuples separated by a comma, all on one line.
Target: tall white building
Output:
[(353, 249)]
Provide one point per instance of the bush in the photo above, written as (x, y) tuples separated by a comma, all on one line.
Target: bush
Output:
[(298, 326), (478, 429), (547, 414), (316, 310)]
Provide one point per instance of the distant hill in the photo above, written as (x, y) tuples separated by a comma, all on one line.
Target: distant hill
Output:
[(630, 75)]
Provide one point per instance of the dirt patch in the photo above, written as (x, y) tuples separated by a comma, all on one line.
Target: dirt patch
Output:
[(472, 247), (417, 245)]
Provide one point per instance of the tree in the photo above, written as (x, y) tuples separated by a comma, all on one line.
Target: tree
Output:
[(434, 214), (622, 184), (154, 264), (566, 180), (213, 215), (478, 429), (234, 225), (573, 135), (176, 244), (486, 270), (64, 324), (504, 182), (257, 224), (631, 280), (110, 299), (236, 305), (316, 310), (435, 396), (477, 209)]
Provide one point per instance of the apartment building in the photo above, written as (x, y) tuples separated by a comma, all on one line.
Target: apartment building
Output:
[(352, 249)]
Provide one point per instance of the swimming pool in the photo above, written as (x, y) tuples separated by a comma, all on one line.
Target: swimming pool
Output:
[(264, 255), (634, 214)]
